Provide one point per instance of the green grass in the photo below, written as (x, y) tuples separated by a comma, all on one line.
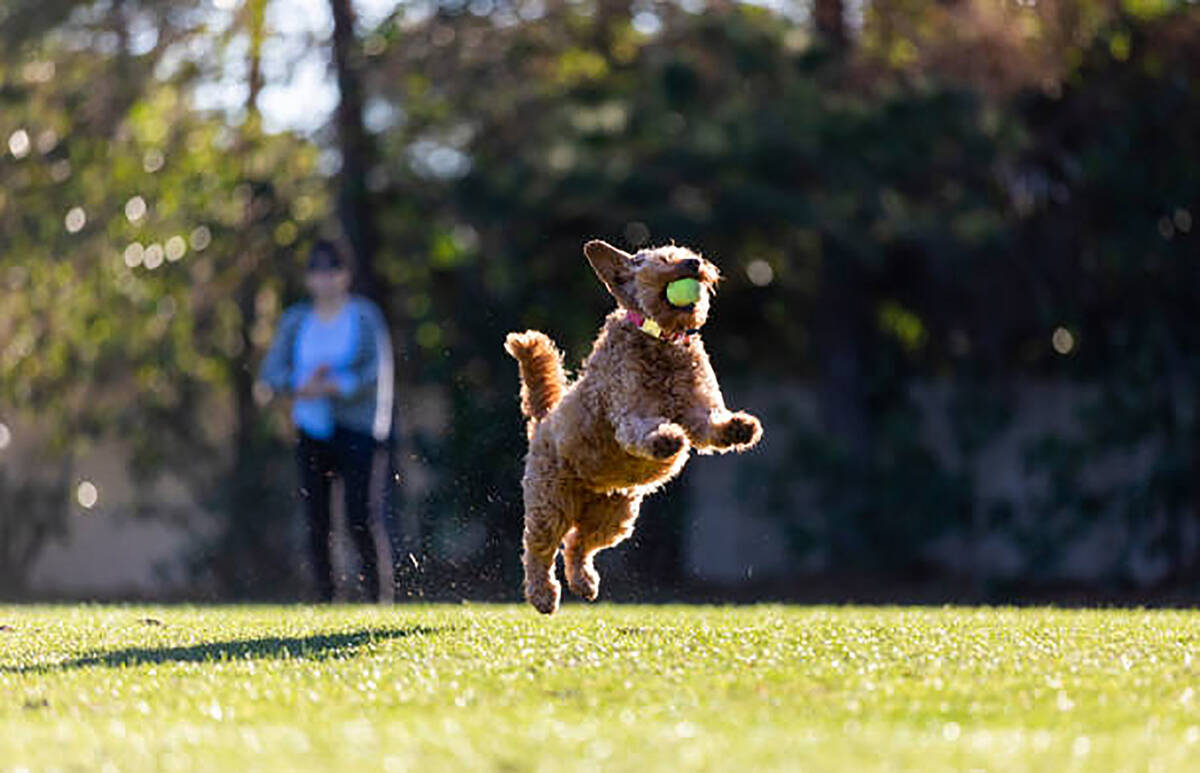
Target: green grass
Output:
[(614, 688)]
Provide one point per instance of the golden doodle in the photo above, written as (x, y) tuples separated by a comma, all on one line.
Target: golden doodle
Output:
[(646, 397)]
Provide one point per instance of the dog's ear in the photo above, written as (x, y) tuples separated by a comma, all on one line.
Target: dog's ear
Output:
[(615, 269)]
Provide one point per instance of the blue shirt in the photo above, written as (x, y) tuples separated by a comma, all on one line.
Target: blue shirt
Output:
[(329, 344), (357, 350)]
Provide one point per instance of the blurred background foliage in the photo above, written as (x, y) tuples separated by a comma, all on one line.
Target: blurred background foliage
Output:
[(976, 194)]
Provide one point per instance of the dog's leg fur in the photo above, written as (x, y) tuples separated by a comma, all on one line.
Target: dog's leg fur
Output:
[(544, 530), (651, 438), (722, 431), (604, 521), (549, 510)]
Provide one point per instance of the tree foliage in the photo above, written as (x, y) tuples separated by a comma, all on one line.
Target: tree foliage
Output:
[(147, 249), (972, 194)]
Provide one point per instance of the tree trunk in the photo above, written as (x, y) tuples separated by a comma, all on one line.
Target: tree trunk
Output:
[(246, 487), (357, 217), (829, 18), (256, 22), (354, 201)]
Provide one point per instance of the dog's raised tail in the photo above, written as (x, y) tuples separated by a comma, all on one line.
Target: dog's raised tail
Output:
[(543, 379)]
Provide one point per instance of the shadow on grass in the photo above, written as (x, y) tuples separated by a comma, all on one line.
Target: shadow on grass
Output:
[(315, 647)]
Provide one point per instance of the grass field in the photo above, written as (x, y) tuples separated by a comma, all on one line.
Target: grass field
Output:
[(616, 688)]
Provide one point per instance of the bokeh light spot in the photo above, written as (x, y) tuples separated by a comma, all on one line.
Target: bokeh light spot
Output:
[(647, 23), (286, 233), (304, 208), (760, 273), (134, 254), (1062, 341), (87, 495), (47, 141), (60, 171), (201, 238), (152, 258), (176, 248), (75, 220), (5, 436), (18, 143), (135, 209), (38, 72), (153, 161)]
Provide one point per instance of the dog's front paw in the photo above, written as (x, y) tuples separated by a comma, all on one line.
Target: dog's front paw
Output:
[(741, 431), (666, 441)]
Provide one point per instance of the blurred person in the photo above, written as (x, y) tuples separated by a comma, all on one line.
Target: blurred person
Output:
[(332, 355)]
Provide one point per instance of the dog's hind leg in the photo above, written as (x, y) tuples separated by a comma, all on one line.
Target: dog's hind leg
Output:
[(548, 511), (544, 530), (603, 522)]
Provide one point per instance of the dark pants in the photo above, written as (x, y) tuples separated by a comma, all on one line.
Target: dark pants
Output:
[(349, 455)]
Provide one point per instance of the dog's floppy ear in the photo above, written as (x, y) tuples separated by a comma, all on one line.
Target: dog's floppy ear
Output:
[(615, 269)]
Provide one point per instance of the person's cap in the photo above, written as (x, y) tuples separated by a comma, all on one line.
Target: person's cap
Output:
[(325, 256)]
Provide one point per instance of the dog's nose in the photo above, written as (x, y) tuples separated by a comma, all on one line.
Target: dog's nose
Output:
[(692, 264)]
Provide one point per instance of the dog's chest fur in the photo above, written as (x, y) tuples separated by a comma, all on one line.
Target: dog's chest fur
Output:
[(627, 370)]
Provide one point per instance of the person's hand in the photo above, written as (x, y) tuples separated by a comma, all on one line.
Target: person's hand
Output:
[(318, 385), (310, 389)]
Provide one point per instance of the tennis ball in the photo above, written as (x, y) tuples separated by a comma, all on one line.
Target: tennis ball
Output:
[(683, 292)]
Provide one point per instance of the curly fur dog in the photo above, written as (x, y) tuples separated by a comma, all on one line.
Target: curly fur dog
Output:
[(646, 396)]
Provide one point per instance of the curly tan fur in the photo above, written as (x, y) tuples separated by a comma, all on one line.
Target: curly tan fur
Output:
[(626, 426), (543, 380)]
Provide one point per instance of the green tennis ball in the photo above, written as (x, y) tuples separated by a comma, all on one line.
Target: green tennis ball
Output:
[(683, 292)]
